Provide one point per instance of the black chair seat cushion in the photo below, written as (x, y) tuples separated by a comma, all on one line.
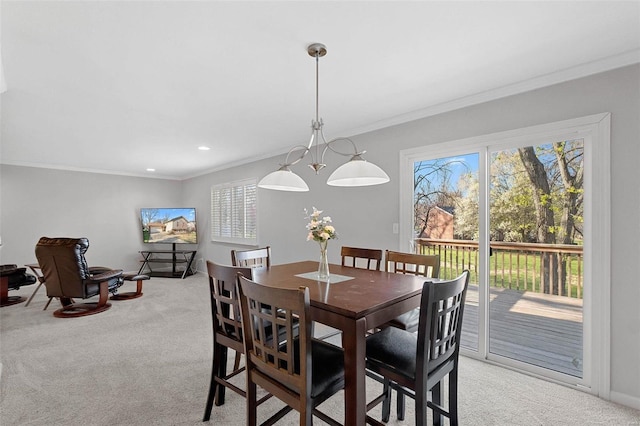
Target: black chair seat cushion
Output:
[(16, 277), (407, 321), (10, 269), (393, 349), (327, 366), (16, 281)]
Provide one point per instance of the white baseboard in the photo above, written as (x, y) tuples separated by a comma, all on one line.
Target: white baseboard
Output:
[(624, 399)]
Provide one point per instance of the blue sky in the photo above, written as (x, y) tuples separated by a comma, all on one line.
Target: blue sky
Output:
[(170, 213), (461, 164)]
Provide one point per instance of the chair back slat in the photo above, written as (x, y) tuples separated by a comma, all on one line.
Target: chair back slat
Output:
[(351, 255), (254, 258), (440, 327), (275, 353), (224, 299), (415, 264)]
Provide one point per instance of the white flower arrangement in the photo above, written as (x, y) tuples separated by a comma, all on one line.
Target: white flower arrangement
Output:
[(320, 229)]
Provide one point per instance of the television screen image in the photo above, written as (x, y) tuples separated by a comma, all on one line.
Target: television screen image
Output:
[(169, 225)]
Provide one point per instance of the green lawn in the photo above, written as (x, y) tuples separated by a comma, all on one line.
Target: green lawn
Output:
[(518, 272)]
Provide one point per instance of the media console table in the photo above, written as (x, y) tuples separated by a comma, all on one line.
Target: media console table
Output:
[(174, 257)]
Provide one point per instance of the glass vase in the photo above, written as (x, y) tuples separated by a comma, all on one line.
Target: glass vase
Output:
[(323, 266)]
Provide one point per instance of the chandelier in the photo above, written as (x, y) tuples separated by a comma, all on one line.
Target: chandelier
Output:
[(355, 172)]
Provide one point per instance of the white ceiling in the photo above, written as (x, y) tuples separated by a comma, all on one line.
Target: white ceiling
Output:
[(119, 87)]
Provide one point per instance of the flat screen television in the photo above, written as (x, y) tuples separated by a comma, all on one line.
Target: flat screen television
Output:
[(169, 225)]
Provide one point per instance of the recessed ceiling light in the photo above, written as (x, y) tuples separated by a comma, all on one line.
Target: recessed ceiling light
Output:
[(151, 170), (204, 148)]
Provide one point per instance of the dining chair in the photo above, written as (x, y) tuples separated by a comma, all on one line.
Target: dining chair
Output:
[(414, 264), (355, 257), (351, 255), (227, 330), (297, 369), (254, 258), (425, 265), (416, 364)]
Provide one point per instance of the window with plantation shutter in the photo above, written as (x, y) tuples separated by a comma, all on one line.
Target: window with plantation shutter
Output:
[(234, 214)]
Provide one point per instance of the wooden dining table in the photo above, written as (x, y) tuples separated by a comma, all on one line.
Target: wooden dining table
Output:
[(353, 301)]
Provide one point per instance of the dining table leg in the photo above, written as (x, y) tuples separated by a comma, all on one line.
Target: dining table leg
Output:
[(353, 342)]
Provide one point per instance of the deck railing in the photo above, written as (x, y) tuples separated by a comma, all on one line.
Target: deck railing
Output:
[(542, 268)]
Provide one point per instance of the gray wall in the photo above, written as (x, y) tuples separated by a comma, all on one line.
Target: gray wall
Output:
[(364, 216), (55, 203), (38, 202)]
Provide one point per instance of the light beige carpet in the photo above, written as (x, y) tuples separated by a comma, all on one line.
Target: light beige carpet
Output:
[(148, 362)]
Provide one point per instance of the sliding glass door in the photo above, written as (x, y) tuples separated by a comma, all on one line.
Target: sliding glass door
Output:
[(446, 224), (536, 266), (517, 209)]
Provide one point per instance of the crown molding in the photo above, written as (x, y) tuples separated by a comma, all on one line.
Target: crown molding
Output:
[(573, 73)]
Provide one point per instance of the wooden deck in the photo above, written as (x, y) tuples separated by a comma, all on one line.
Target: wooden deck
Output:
[(542, 330)]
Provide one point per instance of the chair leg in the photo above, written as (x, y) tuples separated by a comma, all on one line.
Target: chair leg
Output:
[(47, 305), (453, 397), (221, 371), (421, 406), (386, 402), (306, 416), (252, 403), (34, 293), (212, 386), (400, 405), (436, 398), (104, 294)]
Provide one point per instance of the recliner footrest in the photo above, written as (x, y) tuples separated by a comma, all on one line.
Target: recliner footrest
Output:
[(134, 276), (131, 276)]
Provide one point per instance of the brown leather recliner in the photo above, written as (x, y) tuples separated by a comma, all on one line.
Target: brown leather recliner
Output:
[(68, 276)]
